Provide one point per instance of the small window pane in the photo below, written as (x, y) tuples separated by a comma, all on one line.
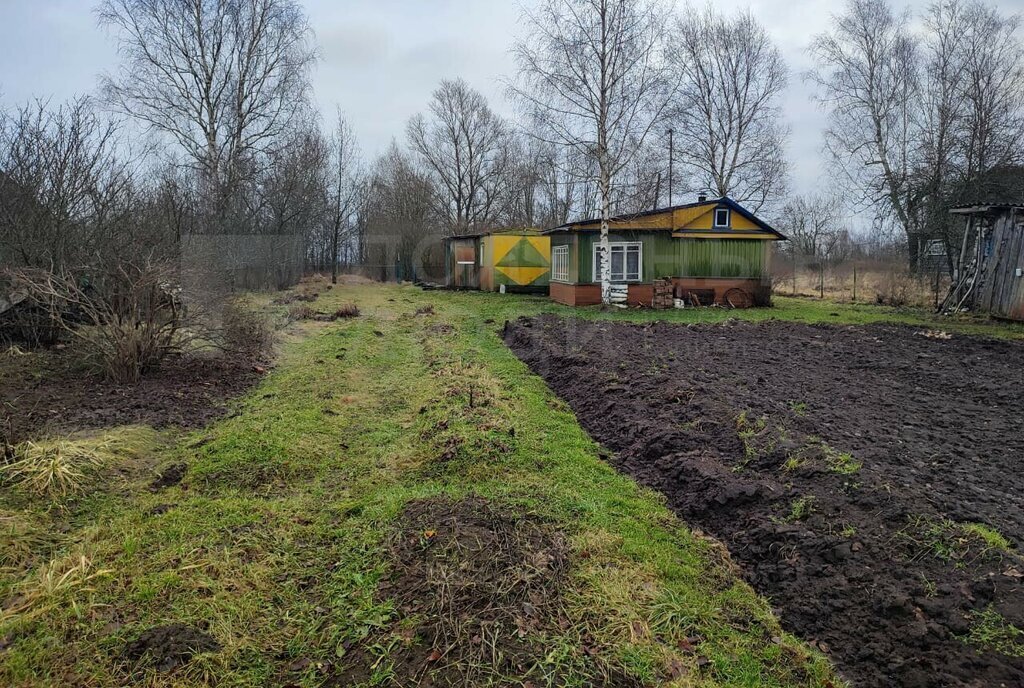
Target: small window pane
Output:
[(633, 263), (722, 217), (617, 263)]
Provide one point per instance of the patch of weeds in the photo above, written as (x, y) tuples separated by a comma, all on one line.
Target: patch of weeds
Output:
[(840, 462), (991, 631), (930, 588), (959, 543), (990, 536), (799, 408), (817, 449), (759, 439), (794, 462), (799, 509)]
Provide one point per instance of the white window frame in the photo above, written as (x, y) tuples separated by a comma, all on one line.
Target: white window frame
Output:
[(560, 263), (728, 217), (625, 245)]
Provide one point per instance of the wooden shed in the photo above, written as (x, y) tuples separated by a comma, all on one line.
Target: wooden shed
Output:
[(991, 275), (517, 259), (711, 251)]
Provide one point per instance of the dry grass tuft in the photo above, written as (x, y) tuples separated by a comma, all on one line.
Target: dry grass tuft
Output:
[(301, 311), (53, 468), (60, 582), (348, 310), (61, 466)]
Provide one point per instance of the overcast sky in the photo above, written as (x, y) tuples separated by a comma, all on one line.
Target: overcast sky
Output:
[(382, 58)]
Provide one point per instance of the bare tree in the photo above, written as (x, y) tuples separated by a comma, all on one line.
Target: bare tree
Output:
[(399, 213), (592, 74), (993, 90), (223, 78), (727, 114), (345, 185), (867, 79), (464, 145), (64, 190), (813, 225)]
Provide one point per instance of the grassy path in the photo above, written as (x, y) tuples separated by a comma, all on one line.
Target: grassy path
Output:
[(276, 540)]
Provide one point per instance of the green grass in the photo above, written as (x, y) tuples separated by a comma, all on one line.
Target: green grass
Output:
[(991, 631), (277, 539)]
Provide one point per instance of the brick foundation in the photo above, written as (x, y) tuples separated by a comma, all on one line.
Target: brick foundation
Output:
[(705, 290)]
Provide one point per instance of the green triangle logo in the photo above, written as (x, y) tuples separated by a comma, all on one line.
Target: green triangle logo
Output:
[(523, 255)]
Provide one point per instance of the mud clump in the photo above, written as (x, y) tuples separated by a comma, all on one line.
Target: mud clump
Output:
[(846, 469), (168, 647), (169, 477), (481, 580)]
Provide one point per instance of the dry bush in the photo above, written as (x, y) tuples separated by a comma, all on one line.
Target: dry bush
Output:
[(246, 330), (348, 310), (897, 289), (128, 317), (301, 311)]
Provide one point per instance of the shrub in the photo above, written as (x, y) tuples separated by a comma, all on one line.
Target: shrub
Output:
[(246, 330), (301, 311), (349, 310), (128, 316), (896, 289)]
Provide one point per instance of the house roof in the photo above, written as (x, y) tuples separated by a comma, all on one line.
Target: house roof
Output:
[(697, 209)]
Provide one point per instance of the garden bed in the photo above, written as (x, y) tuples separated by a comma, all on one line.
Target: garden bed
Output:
[(866, 478)]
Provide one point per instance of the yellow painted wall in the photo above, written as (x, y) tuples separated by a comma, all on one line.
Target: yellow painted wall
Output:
[(696, 217)]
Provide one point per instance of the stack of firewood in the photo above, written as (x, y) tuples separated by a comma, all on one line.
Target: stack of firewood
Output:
[(663, 293)]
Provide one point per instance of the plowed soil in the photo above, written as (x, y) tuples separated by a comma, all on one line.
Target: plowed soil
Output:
[(42, 393), (846, 469)]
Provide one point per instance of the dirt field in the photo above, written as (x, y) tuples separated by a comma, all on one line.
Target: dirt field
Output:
[(41, 393), (867, 478)]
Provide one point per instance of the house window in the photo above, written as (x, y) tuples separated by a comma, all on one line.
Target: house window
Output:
[(626, 259), (722, 217), (560, 263)]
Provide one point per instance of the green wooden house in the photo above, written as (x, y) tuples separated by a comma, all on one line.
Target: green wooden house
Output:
[(712, 251)]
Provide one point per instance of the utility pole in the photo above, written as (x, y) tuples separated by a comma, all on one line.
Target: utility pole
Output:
[(670, 161)]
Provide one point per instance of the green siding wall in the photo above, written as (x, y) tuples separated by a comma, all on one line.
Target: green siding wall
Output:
[(723, 258), (665, 256)]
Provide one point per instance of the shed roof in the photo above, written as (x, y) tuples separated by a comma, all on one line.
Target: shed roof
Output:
[(983, 208), (513, 231)]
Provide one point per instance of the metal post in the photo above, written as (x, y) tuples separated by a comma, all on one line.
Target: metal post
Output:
[(671, 151), (854, 283)]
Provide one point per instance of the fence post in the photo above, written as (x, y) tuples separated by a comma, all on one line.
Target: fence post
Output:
[(821, 280), (855, 284), (936, 287), (794, 271)]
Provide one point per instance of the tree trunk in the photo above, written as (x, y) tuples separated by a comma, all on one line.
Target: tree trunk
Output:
[(334, 252), (604, 250)]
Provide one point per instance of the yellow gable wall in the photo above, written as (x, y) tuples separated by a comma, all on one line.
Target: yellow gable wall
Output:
[(698, 217)]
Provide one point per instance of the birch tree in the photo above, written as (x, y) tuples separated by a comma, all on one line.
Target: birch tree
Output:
[(867, 80), (223, 78), (592, 74), (727, 112)]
